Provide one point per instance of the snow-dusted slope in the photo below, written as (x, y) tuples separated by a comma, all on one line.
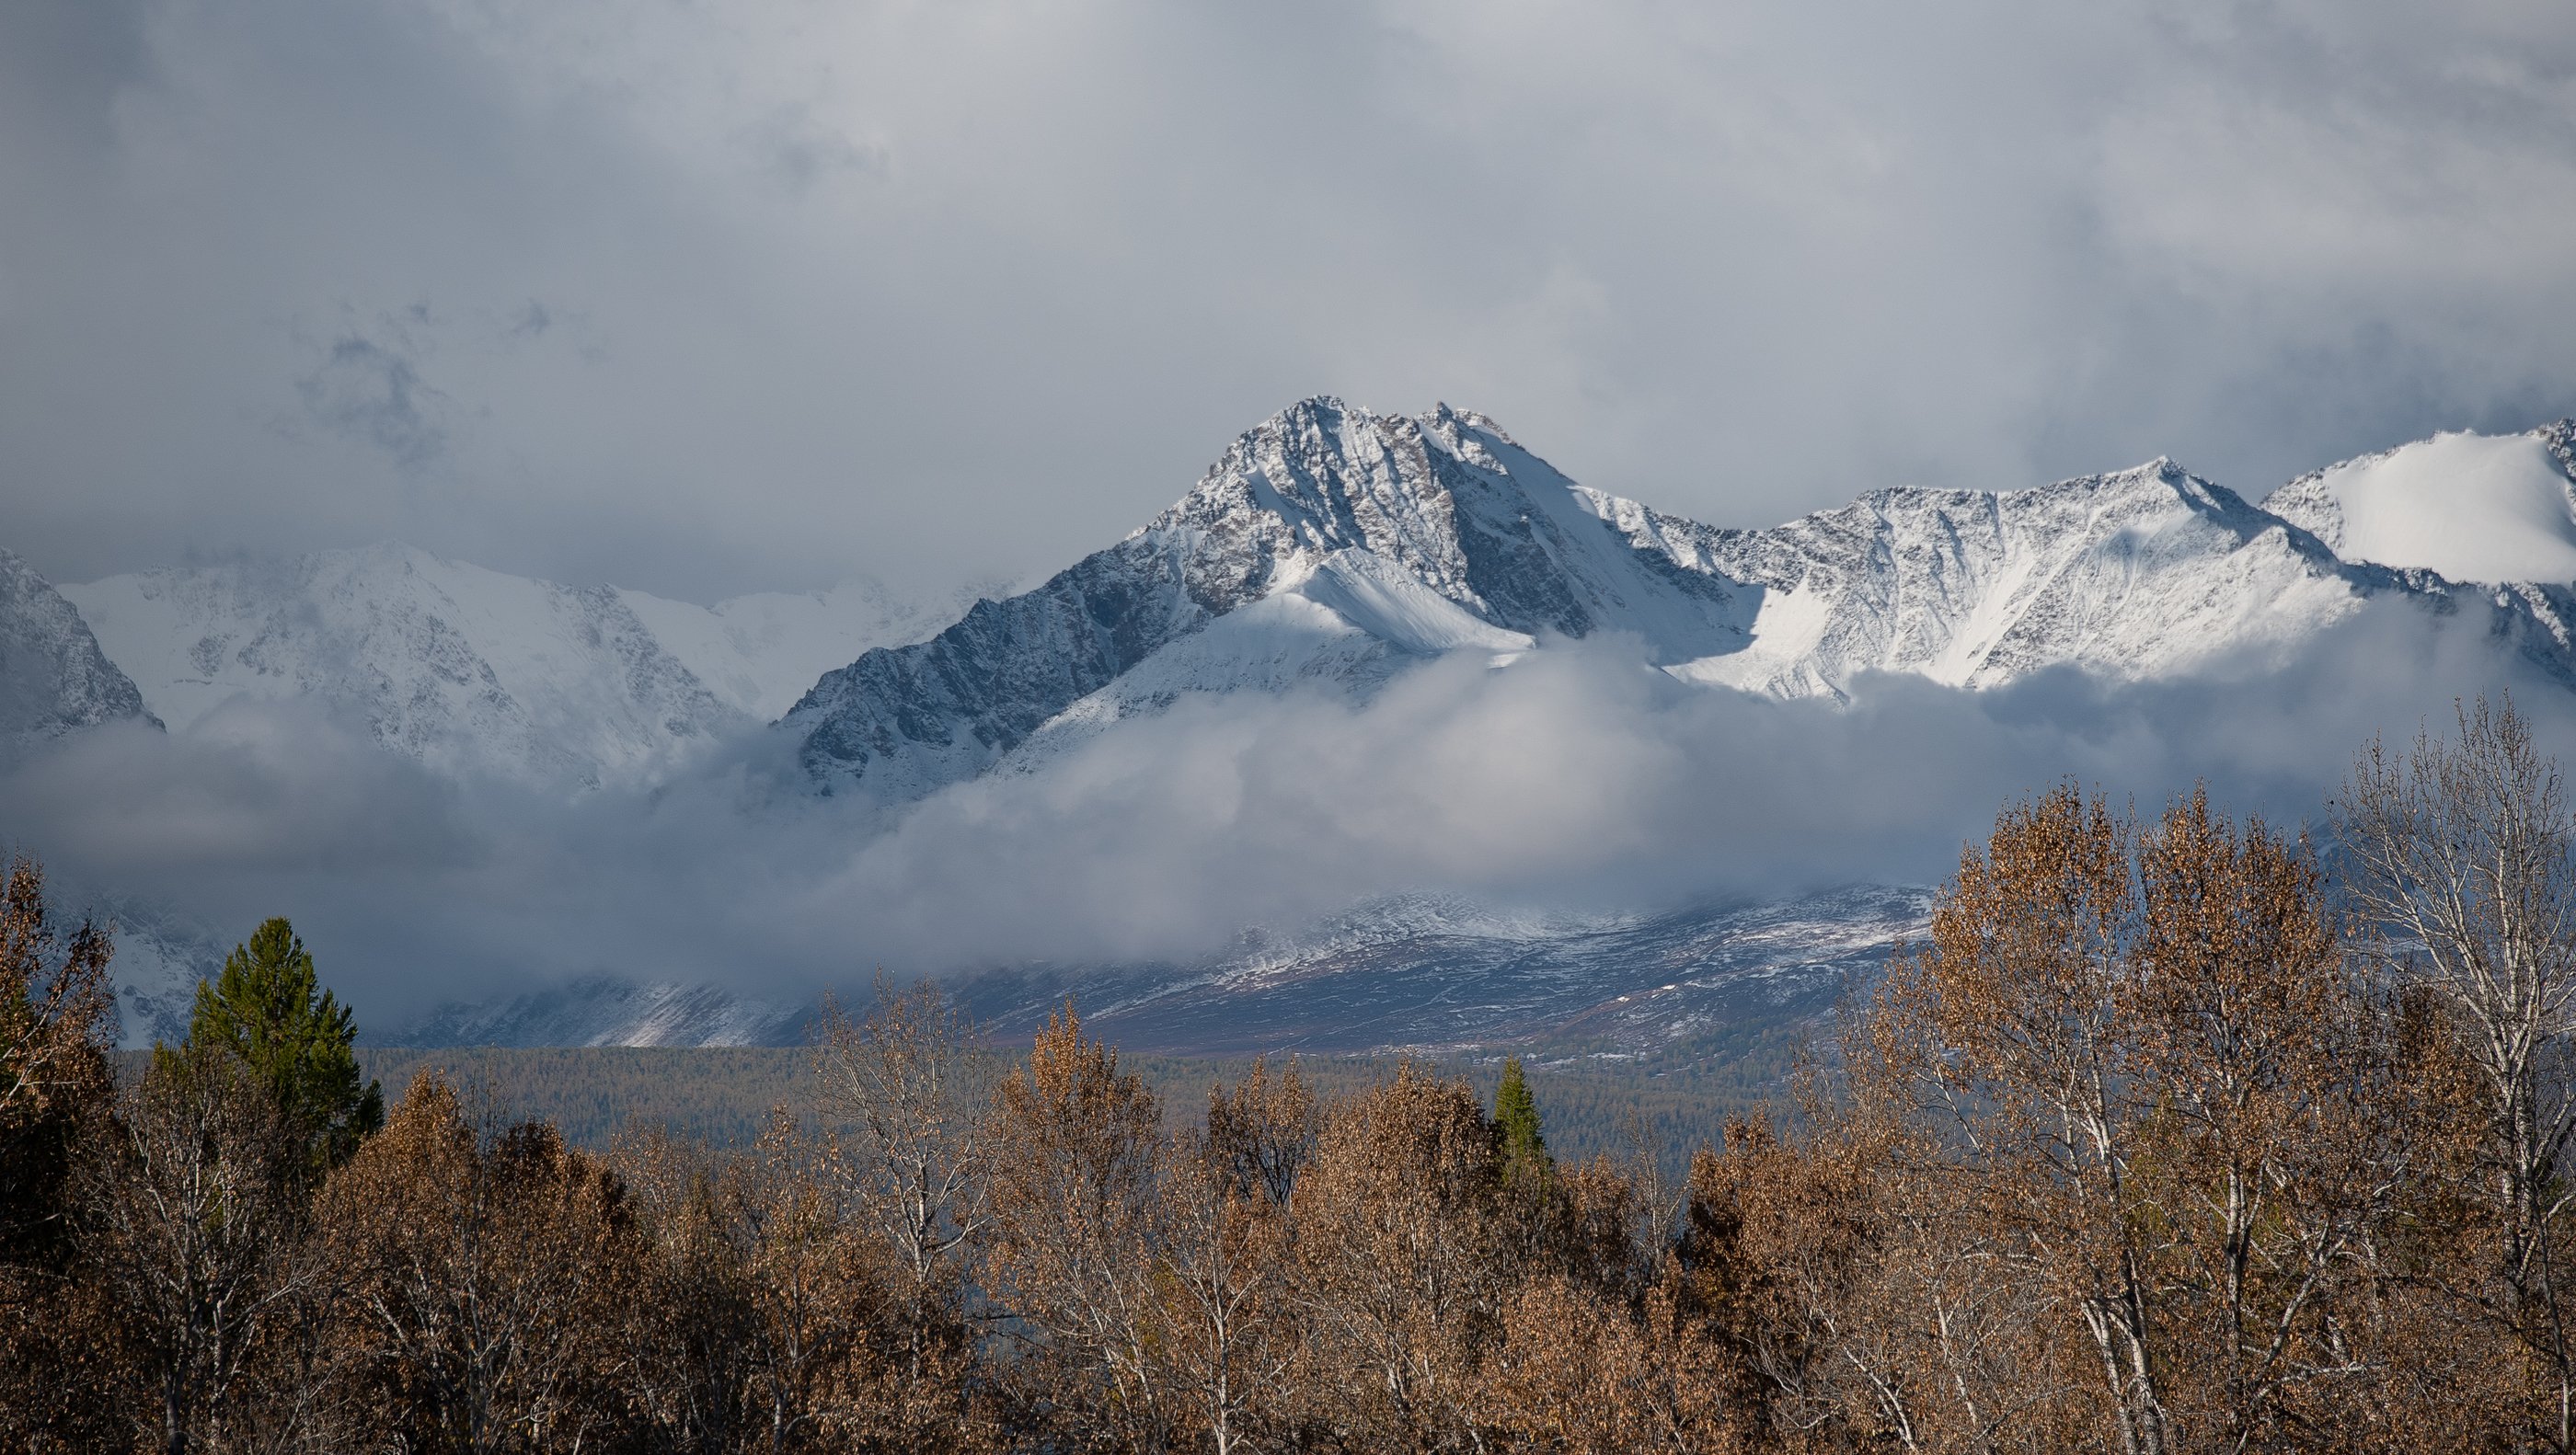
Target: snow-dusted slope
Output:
[(159, 959), (477, 671), (2140, 573), (1409, 973), (54, 679), (1335, 545), (2491, 508), (468, 670), (1436, 974), (603, 1011)]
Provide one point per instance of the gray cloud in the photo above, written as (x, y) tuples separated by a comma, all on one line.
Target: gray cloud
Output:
[(1577, 779), (973, 287), (369, 389)]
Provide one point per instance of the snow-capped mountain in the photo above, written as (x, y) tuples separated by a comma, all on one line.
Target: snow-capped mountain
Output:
[(1329, 546), (54, 679), (474, 671), (1334, 544)]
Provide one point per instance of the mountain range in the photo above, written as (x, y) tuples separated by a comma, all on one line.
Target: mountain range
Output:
[(1335, 545), (1330, 548)]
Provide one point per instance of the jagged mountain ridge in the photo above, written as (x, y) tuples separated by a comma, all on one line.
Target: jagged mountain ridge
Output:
[(1414, 533), (1330, 543)]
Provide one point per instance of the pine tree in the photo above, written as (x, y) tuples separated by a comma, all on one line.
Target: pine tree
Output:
[(268, 1010), (1516, 1115)]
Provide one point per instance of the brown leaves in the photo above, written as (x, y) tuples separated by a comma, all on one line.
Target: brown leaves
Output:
[(480, 1267), (2136, 1094)]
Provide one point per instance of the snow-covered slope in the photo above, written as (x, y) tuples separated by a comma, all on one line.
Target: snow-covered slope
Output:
[(1334, 545), (2142, 573), (1420, 534), (54, 679), (468, 670), (2492, 508), (604, 1011), (159, 959), (1413, 972), (475, 671)]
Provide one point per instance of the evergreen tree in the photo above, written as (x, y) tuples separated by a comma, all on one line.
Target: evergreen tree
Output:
[(268, 1010), (1516, 1115)]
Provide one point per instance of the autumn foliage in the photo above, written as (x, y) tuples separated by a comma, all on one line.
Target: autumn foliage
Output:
[(2160, 1141)]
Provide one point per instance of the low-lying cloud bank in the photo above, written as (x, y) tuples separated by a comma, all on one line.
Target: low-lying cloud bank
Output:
[(1577, 777)]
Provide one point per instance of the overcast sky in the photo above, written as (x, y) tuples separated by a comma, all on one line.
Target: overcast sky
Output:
[(709, 297)]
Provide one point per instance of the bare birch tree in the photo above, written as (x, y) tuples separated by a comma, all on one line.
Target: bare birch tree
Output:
[(2459, 855), (1076, 1149), (193, 1225), (906, 1090)]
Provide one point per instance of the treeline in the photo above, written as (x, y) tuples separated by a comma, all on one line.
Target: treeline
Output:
[(2155, 1146), (723, 1095)]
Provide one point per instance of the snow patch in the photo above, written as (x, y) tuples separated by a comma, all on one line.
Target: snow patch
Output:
[(1375, 597), (2473, 507)]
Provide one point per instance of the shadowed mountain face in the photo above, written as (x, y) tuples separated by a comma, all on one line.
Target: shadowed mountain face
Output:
[(54, 680), (603, 1011)]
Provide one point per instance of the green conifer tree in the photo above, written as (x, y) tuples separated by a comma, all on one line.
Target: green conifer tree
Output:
[(1516, 1115), (268, 1010)]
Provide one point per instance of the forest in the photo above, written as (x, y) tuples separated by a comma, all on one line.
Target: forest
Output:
[(2177, 1132)]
